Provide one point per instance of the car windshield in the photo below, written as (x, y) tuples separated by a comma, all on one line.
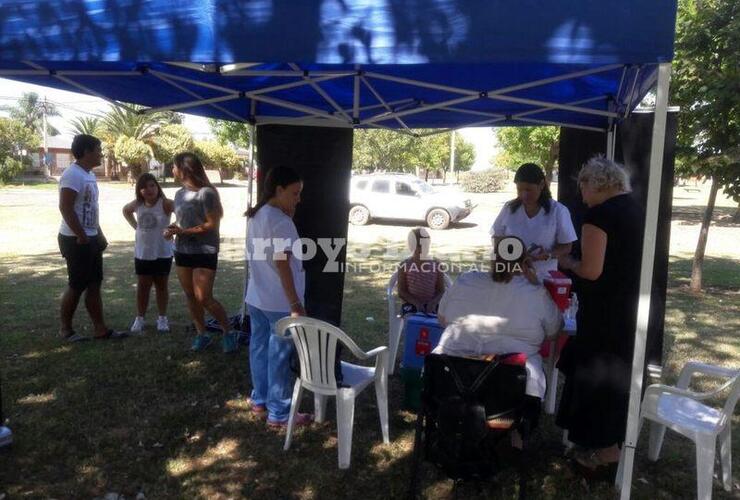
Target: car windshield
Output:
[(421, 187)]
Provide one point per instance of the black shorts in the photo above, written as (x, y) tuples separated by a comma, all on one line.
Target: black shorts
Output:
[(197, 260), (84, 262), (156, 267)]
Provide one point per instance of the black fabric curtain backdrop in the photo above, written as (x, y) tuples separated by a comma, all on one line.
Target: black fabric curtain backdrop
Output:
[(632, 150), (323, 158)]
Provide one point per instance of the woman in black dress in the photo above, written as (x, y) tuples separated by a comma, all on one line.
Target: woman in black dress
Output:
[(597, 363)]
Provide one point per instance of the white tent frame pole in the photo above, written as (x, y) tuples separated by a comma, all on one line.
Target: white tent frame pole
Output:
[(377, 95), (559, 124), (492, 94), (632, 90), (191, 104), (626, 464), (610, 141), (79, 86), (356, 95), (250, 187), (553, 105), (196, 95), (323, 93), (290, 74)]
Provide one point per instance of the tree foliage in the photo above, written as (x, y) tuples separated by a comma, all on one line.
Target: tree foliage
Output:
[(706, 85), (133, 152), (234, 133), (15, 138), (171, 140), (90, 125), (540, 145), (393, 151), (29, 110), (218, 156)]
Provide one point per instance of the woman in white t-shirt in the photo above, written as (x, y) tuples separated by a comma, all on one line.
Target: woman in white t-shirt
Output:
[(543, 224), (275, 290), (152, 252)]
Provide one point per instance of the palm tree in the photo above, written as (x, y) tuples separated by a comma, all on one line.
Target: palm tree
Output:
[(30, 111), (89, 125), (131, 122)]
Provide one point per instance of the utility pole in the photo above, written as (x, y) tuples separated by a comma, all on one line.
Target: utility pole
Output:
[(47, 171), (452, 153)]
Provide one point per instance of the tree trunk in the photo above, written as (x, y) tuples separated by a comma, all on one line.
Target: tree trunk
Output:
[(736, 217), (696, 271)]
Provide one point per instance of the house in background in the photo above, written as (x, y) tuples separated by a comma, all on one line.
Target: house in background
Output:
[(58, 157)]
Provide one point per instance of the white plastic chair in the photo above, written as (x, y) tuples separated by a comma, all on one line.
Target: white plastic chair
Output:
[(395, 320), (316, 343), (679, 409)]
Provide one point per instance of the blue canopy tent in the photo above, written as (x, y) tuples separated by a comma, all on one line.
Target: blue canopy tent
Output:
[(400, 64)]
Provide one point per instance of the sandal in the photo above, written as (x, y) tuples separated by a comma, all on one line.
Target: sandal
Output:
[(301, 420), (258, 410), (593, 467), (111, 334), (73, 337)]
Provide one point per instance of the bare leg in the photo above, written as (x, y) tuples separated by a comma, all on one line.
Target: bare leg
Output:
[(94, 306), (185, 275), (203, 287), (143, 285), (68, 306), (161, 286)]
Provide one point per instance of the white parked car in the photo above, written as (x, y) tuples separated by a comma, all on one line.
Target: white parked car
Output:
[(404, 197)]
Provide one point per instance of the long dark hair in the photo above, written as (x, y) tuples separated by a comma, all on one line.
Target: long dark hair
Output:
[(280, 176), (141, 184), (192, 170), (531, 173)]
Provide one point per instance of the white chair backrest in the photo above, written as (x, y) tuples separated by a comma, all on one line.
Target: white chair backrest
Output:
[(316, 344), (729, 408)]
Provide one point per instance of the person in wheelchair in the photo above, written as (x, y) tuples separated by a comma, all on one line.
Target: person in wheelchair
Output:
[(497, 313)]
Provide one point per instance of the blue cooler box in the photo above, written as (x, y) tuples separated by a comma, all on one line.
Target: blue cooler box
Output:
[(422, 334)]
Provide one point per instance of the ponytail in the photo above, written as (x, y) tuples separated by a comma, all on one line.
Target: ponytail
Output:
[(280, 176)]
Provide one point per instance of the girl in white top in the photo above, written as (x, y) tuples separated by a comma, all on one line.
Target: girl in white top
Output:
[(152, 252), (543, 224), (275, 289)]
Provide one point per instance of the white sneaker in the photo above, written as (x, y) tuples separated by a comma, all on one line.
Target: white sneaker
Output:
[(163, 325), (138, 326)]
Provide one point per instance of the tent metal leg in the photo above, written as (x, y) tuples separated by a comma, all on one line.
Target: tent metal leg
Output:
[(624, 477)]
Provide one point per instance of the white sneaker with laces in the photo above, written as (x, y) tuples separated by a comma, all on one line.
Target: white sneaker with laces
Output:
[(163, 325), (138, 326)]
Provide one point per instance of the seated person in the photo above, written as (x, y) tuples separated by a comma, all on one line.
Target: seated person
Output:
[(420, 282), (497, 313)]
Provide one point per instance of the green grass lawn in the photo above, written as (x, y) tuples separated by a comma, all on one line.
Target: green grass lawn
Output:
[(145, 414)]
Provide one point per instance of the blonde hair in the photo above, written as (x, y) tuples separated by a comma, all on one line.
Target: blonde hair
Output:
[(602, 174)]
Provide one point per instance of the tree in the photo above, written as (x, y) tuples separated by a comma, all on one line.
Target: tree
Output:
[(217, 156), (15, 139), (237, 134), (540, 145), (132, 123), (134, 153), (706, 85), (393, 151), (89, 125), (30, 112), (171, 140)]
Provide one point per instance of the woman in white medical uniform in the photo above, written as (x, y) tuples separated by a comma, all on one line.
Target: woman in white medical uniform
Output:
[(543, 224)]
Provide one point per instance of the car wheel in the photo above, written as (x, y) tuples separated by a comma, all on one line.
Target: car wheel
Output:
[(438, 219), (359, 215)]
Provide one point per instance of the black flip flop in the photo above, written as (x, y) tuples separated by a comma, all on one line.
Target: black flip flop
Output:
[(111, 334)]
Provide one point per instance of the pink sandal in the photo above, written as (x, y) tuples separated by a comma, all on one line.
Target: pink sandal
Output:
[(257, 410), (301, 420)]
